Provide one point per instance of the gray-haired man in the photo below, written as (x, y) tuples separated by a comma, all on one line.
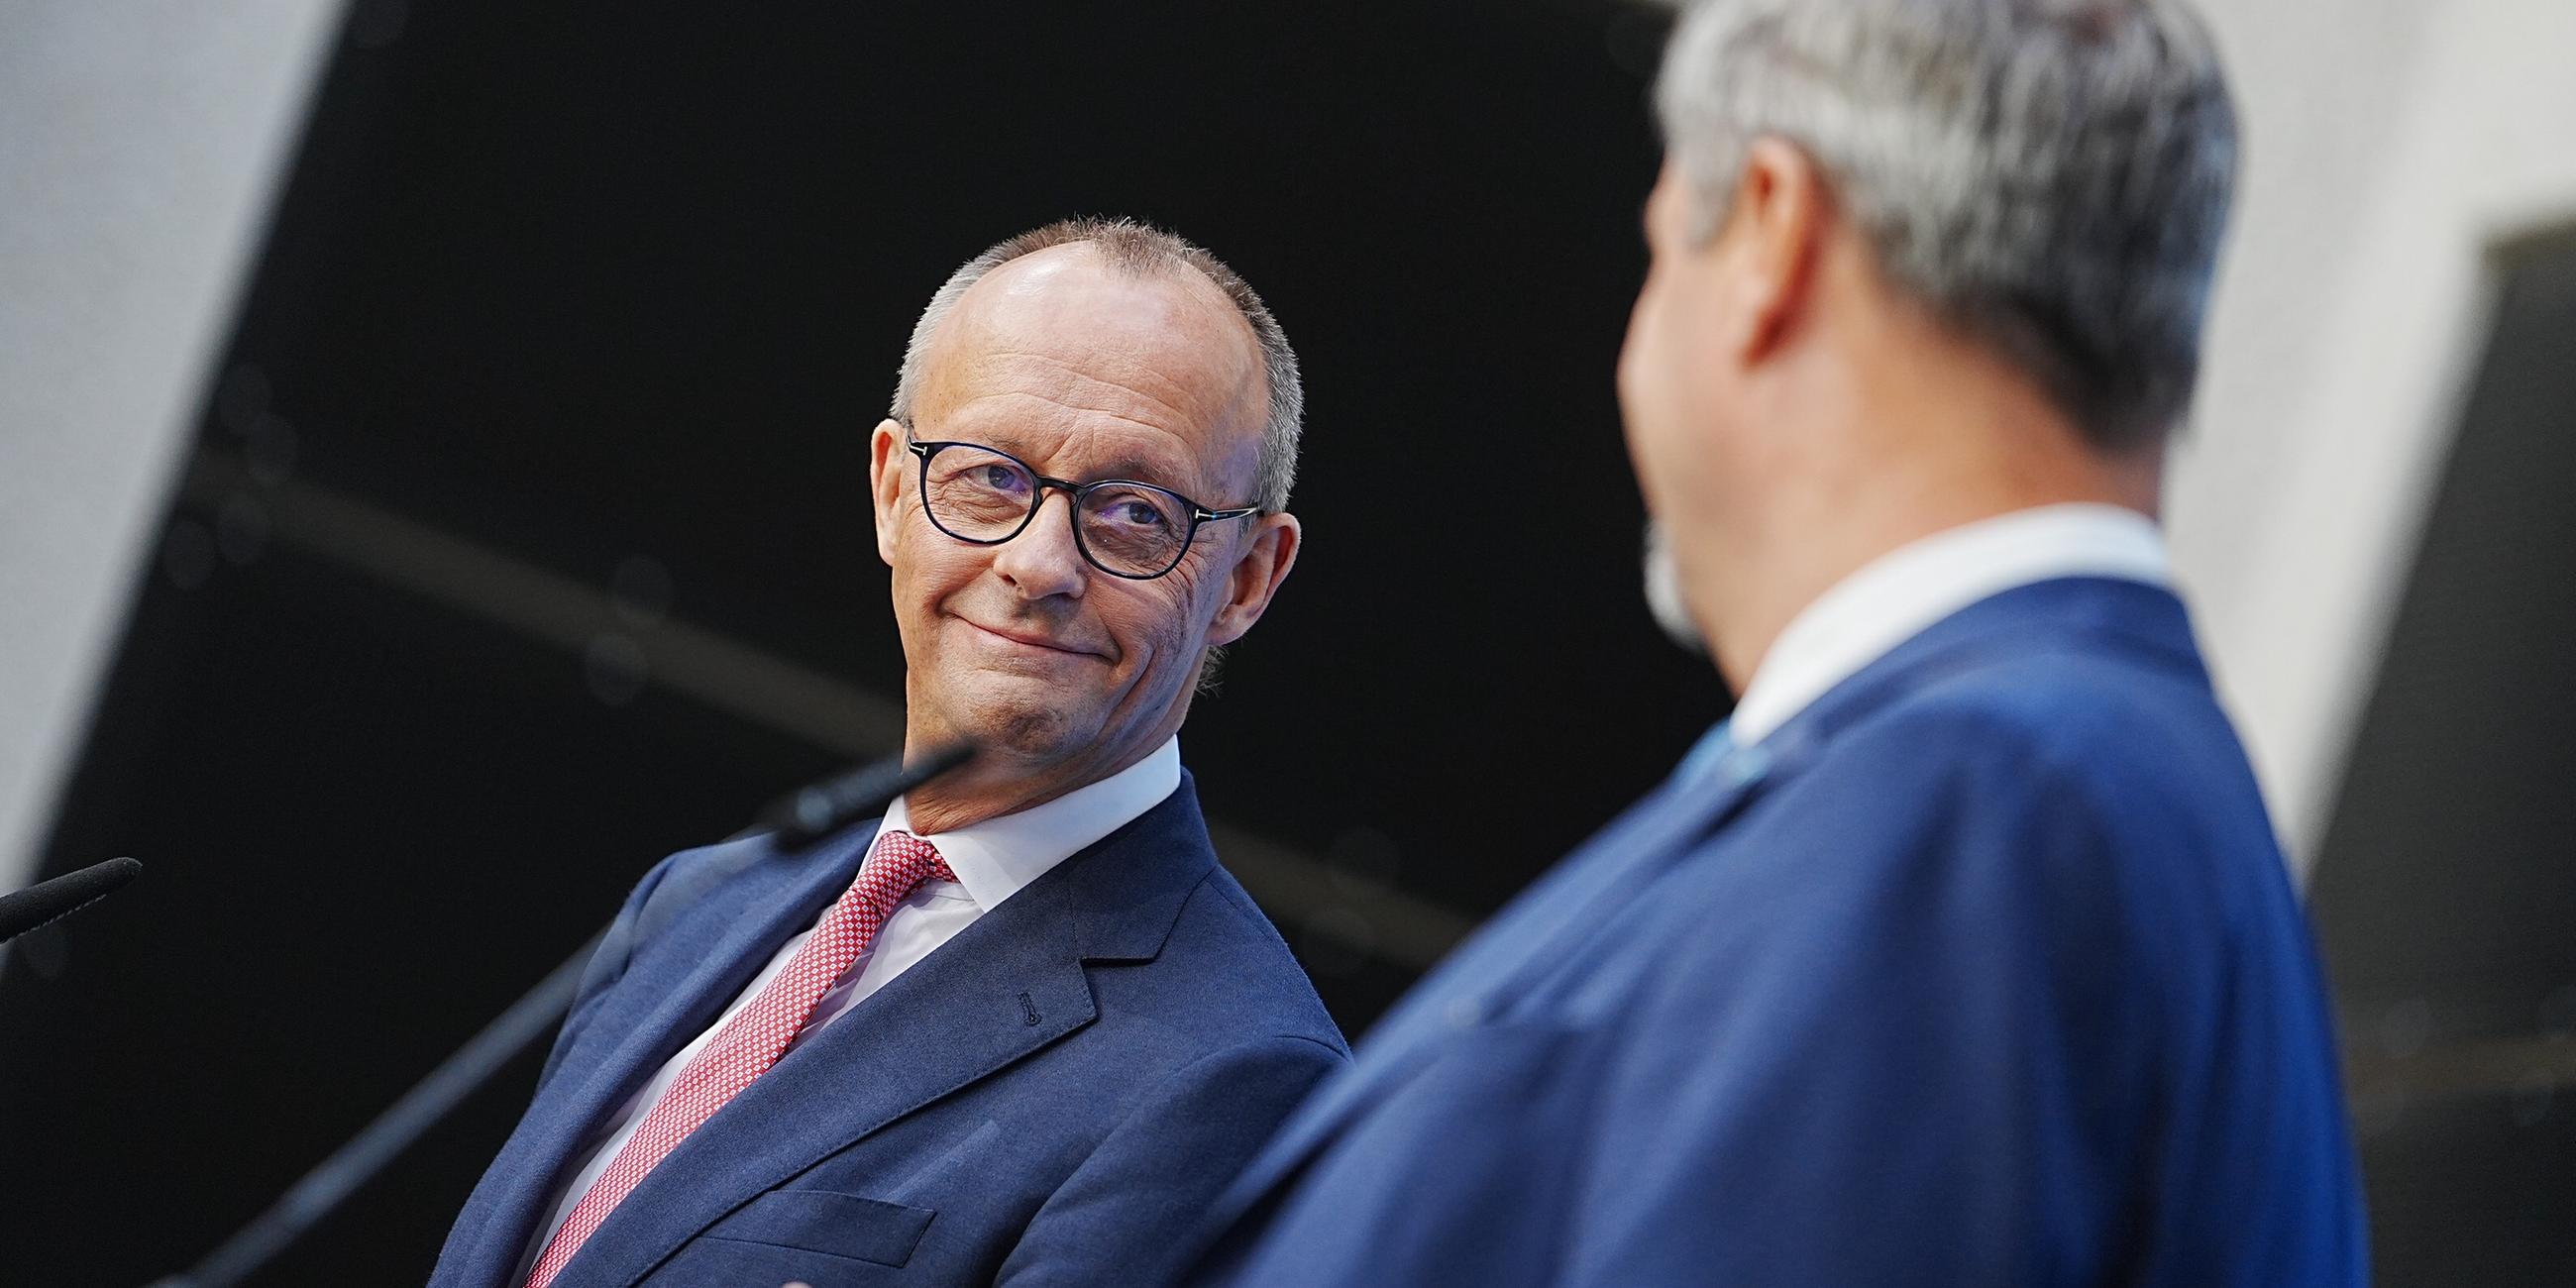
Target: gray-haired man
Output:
[(1963, 953)]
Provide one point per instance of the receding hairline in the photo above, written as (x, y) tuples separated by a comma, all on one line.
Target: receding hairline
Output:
[(1063, 255), (1250, 399)]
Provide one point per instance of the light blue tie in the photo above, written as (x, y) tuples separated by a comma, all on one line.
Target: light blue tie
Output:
[(1705, 755)]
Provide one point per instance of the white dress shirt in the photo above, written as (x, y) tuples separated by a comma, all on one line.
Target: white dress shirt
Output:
[(993, 860), (1894, 597)]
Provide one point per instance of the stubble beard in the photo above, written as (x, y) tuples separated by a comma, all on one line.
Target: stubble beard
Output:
[(1664, 593)]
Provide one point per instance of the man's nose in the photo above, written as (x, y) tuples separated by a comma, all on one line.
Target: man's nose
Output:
[(1043, 560)]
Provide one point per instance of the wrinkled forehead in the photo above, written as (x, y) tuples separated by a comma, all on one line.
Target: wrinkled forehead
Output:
[(1089, 369)]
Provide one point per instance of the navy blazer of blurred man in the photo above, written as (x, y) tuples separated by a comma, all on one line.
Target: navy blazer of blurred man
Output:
[(1071, 1027), (1964, 955)]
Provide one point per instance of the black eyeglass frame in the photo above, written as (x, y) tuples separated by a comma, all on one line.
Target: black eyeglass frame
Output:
[(1074, 493)]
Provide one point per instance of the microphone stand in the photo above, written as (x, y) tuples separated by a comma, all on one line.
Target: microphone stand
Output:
[(323, 1189), (797, 819)]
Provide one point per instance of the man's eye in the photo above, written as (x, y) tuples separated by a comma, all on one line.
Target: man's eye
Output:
[(1141, 514), (1001, 478)]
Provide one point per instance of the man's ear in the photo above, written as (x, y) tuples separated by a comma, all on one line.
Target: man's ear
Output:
[(1778, 226), (886, 459), (1255, 577)]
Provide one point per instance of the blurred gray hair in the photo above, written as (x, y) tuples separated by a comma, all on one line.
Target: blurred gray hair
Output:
[(1138, 250), (2050, 176)]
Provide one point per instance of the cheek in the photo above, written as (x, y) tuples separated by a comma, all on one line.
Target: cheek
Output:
[(1157, 621), (926, 573), (1647, 378), (1675, 356), (1657, 350), (1636, 358)]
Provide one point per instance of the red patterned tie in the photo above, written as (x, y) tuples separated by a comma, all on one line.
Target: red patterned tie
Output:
[(756, 1036)]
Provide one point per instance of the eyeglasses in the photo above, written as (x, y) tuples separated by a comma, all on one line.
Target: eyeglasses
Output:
[(1122, 527)]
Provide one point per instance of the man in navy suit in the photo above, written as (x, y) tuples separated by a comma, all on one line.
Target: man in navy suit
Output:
[(1025, 1028), (1964, 954)]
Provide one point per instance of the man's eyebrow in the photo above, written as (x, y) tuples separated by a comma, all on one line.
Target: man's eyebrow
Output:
[(1140, 470), (1161, 471), (1171, 473)]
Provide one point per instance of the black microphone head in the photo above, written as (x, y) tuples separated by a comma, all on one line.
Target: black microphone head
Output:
[(814, 812), (48, 900)]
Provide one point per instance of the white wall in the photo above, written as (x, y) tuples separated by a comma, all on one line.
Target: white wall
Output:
[(2390, 143), (140, 142)]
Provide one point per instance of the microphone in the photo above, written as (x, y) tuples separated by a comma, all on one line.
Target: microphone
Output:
[(803, 816), (815, 812), (47, 900)]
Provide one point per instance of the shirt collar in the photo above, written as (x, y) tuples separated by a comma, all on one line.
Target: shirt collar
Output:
[(1892, 598), (995, 858)]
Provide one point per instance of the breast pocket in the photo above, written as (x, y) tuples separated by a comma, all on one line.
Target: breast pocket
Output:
[(842, 1225)]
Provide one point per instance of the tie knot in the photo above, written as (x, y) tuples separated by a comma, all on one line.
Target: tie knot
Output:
[(898, 863)]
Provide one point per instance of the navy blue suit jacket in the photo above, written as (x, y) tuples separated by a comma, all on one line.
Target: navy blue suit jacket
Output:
[(1983, 970), (1051, 1097)]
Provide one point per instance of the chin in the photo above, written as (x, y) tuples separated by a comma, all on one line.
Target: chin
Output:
[(1029, 722)]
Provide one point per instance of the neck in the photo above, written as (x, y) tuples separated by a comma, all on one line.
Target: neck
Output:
[(1972, 453), (996, 783), (962, 799)]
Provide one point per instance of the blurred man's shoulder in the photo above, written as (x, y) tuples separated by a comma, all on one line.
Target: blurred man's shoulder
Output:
[(2079, 714), (2093, 769)]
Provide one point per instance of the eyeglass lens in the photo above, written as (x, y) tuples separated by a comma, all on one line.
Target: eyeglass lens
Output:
[(981, 495)]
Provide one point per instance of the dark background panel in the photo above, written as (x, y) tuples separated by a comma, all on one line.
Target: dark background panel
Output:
[(2448, 869), (335, 895), (638, 282), (600, 288)]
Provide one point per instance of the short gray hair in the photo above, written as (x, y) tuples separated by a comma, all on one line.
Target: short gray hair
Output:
[(2050, 176), (1140, 249)]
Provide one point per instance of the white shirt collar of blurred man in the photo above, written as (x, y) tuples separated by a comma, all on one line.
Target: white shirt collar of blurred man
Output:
[(1894, 597)]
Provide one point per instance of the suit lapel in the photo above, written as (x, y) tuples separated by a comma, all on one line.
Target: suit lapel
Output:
[(947, 1022), (697, 967), (1005, 987)]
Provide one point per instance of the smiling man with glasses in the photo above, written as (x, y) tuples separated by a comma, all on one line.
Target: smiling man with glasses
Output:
[(1022, 1029), (1104, 375), (1122, 527)]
